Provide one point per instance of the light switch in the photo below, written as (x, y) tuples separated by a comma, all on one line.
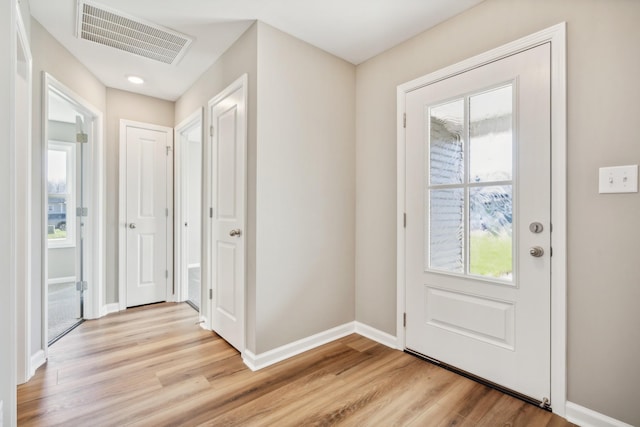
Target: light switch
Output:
[(619, 179)]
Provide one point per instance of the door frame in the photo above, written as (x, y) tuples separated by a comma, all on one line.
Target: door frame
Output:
[(556, 36), (122, 212), (95, 202), (23, 264), (179, 237)]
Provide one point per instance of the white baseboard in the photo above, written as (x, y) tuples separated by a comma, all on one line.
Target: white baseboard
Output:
[(586, 417), (204, 324), (376, 335), (259, 361), (109, 308), (37, 360), (262, 360)]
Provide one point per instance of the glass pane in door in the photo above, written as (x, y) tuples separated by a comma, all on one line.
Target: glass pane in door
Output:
[(469, 185), (490, 135), (491, 232)]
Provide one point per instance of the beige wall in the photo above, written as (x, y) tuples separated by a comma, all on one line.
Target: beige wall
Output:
[(305, 190), (49, 56), (603, 233), (127, 106)]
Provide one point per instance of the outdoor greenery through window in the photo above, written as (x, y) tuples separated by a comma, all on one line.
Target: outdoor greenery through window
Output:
[(470, 185), (60, 193)]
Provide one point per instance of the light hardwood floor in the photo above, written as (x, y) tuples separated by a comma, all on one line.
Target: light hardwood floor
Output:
[(153, 366)]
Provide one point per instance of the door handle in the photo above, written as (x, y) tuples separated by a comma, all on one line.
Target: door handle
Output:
[(235, 232), (536, 251), (132, 225)]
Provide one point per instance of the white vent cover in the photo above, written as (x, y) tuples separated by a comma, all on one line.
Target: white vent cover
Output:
[(109, 27)]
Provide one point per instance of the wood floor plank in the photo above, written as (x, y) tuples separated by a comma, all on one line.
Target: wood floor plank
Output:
[(154, 366)]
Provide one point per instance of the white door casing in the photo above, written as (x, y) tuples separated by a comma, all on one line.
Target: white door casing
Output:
[(145, 213), (555, 36), (228, 148)]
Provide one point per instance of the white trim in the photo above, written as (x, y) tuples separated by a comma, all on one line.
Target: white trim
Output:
[(38, 359), (588, 418), (262, 360), (190, 266), (109, 308), (181, 273), (60, 280), (555, 35), (23, 294), (376, 335), (122, 181)]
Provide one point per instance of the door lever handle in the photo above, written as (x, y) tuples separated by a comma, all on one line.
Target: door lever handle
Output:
[(235, 232)]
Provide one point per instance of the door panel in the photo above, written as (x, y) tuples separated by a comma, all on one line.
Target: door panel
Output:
[(228, 170), (146, 215), (478, 173)]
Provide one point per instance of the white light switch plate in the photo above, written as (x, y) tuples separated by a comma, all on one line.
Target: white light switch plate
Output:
[(619, 179)]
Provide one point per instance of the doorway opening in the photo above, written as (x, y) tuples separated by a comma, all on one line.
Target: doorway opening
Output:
[(188, 218), (72, 195)]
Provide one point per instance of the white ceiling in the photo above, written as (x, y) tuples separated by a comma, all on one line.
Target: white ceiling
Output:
[(354, 30)]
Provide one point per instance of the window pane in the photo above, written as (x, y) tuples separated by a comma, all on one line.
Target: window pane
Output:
[(446, 230), (490, 135), (57, 171), (490, 232), (57, 216), (446, 142)]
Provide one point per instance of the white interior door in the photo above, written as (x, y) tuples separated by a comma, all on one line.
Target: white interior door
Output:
[(478, 222), (227, 113), (146, 222)]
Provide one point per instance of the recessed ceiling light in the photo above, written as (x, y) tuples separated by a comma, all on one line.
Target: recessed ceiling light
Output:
[(135, 80)]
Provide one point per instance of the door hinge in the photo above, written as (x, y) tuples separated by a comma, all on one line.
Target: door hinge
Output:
[(82, 286), (210, 130), (210, 212), (169, 149), (404, 120), (82, 138), (546, 403), (404, 319), (404, 220), (550, 251), (166, 212), (82, 211), (210, 293)]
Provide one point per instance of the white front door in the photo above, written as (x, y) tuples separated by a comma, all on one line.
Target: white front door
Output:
[(146, 225), (227, 114), (478, 222)]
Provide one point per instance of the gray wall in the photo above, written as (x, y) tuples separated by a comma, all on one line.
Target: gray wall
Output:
[(128, 106), (8, 284), (603, 233), (305, 190), (50, 56)]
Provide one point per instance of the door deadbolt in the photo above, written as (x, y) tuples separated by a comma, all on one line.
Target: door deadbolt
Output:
[(536, 251), (536, 227)]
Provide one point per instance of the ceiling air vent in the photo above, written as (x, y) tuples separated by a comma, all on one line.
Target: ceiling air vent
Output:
[(109, 27)]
